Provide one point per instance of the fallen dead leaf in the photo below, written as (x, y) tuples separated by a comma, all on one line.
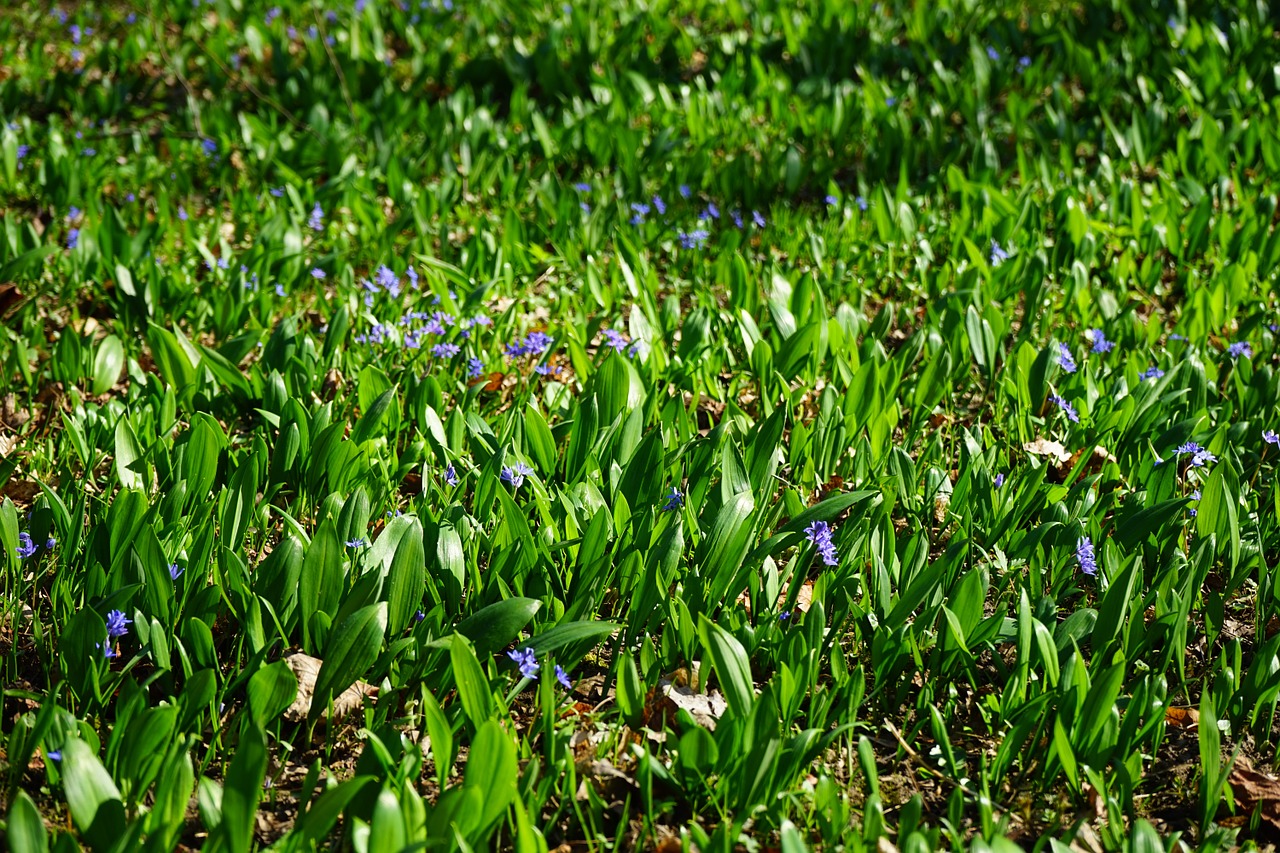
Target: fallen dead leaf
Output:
[(1254, 790), (1050, 449), (305, 669), (1181, 718)]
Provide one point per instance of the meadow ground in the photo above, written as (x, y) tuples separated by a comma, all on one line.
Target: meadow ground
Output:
[(639, 425)]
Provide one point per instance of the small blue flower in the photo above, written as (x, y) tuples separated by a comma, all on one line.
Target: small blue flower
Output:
[(831, 200), (514, 476), (675, 500), (355, 543), (419, 616), (182, 213), (1024, 63), (998, 255), (527, 660), (317, 273), (445, 350), (450, 475), (1085, 558), (861, 202), (1100, 342), (475, 368), (1151, 373), (1194, 511), (1240, 348), (582, 187), (276, 191), (685, 192), (992, 54), (640, 211), (1270, 437), (73, 238), (1068, 409), (819, 533), (175, 571), (999, 481), (316, 222), (659, 205), (108, 650), (784, 616), (49, 543), (117, 624), (1065, 360), (710, 212), (758, 218), (536, 343), (693, 239), (26, 547), (210, 147), (563, 677), (54, 755)]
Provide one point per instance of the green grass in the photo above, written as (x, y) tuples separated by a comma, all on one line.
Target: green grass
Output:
[(383, 336)]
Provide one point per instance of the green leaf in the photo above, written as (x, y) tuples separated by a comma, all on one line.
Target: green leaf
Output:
[(353, 647), (25, 832), (407, 579), (129, 464), (92, 797), (271, 690), (730, 661), (498, 624), (473, 687), (243, 789), (491, 768), (108, 362)]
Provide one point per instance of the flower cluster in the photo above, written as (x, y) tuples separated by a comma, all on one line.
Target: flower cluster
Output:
[(1067, 409), (1065, 360), (1085, 557), (675, 500), (1100, 342), (514, 476), (1199, 455), (819, 533)]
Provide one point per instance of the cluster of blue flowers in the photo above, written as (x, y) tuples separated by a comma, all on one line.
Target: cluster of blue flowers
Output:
[(819, 533), (514, 476), (27, 547), (1085, 557), (527, 661)]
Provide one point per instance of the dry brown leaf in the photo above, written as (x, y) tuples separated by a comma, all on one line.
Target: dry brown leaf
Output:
[(1050, 449), (1256, 790), (305, 669), (705, 708), (1181, 718)]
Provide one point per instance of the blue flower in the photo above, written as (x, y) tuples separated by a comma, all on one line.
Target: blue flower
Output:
[(210, 147), (1151, 373), (1188, 447), (1024, 63), (1193, 511), (659, 205), (475, 368), (536, 343), (445, 350), (276, 191), (117, 624), (1066, 407), (582, 187), (563, 677), (819, 533), (998, 255), (758, 218), (999, 481), (280, 290), (784, 616), (450, 475), (861, 202), (1270, 437), (1240, 348), (419, 616), (1100, 342), (317, 273), (831, 200), (73, 238), (736, 216), (693, 239), (175, 571), (182, 213), (675, 500), (641, 211), (355, 543), (685, 192), (25, 546), (526, 660), (514, 476), (1065, 360), (316, 222), (54, 755), (710, 212), (1085, 558), (992, 54), (108, 650), (49, 543), (547, 369)]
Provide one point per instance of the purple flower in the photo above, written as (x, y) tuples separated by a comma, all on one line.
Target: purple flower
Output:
[(355, 543), (1202, 458), (1065, 360), (1100, 342), (26, 547), (280, 290), (117, 624), (73, 213), (276, 191), (685, 192), (861, 202), (563, 677), (784, 616), (1066, 407), (108, 650), (73, 238), (613, 338), (1024, 63), (1193, 511), (710, 212), (819, 533), (659, 205), (1270, 437), (831, 200), (526, 660), (736, 216), (316, 223), (547, 369), (1085, 558), (49, 543), (1240, 348), (89, 152), (1174, 336), (693, 239), (536, 343), (386, 279), (582, 187), (1188, 447), (640, 211), (182, 213), (998, 255), (514, 476), (317, 273), (999, 481), (992, 54), (445, 350), (475, 368), (1151, 373), (515, 349), (74, 29), (272, 14), (450, 475), (758, 218), (210, 147), (419, 616), (175, 571), (54, 755), (675, 500)]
